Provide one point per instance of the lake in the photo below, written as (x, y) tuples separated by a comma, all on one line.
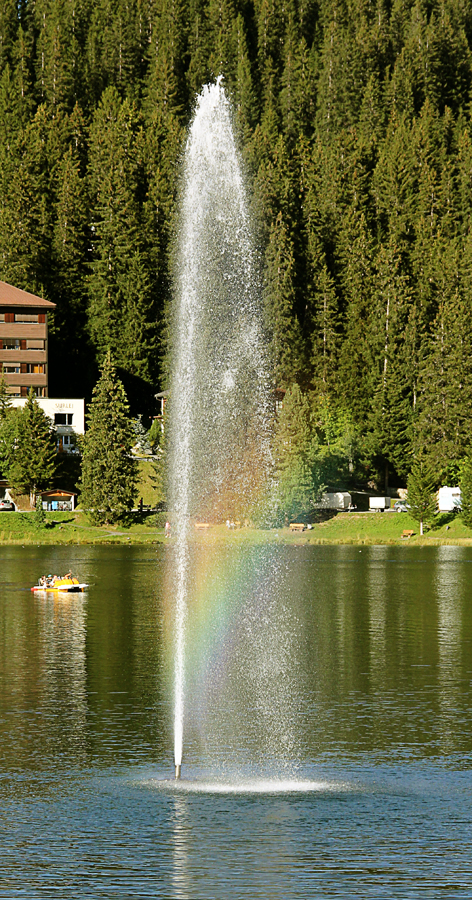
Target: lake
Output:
[(327, 744)]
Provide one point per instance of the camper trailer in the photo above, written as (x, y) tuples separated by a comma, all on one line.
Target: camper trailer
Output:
[(449, 499), (378, 504), (337, 500)]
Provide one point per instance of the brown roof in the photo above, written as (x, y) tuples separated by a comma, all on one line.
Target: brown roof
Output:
[(12, 296), (57, 492)]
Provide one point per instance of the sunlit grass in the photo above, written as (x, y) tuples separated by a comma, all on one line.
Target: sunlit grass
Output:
[(344, 528)]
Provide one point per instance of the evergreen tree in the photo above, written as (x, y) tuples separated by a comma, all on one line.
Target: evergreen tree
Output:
[(39, 513), (296, 456), (422, 492), (286, 344), (120, 305), (466, 491), (33, 462), (70, 243), (5, 401), (109, 472), (25, 208), (354, 121), (141, 437), (8, 423), (445, 388)]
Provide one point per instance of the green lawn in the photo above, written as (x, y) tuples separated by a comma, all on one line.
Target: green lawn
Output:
[(146, 489), (345, 528), (73, 528), (382, 528)]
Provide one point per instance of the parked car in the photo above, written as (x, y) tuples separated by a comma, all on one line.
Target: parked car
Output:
[(6, 505), (401, 506)]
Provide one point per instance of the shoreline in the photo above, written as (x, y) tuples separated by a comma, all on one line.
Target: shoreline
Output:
[(356, 529)]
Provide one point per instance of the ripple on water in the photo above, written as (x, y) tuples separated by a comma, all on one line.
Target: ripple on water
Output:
[(249, 786)]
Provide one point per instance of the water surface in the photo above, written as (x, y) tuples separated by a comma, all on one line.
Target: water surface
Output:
[(328, 730)]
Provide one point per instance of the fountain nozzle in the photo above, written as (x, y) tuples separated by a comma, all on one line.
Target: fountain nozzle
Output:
[(177, 771)]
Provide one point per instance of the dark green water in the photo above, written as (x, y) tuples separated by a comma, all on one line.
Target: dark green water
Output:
[(348, 670)]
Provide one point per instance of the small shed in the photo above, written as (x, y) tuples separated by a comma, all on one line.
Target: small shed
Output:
[(58, 500)]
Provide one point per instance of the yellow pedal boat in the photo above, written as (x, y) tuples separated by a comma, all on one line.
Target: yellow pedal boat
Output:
[(60, 586)]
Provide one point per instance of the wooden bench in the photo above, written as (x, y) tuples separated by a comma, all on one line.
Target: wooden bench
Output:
[(407, 533), (297, 526), (202, 525)]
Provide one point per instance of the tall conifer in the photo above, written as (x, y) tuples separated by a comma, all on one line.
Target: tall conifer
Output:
[(33, 462), (109, 472)]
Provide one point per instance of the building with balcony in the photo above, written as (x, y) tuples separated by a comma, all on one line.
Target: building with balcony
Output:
[(24, 341)]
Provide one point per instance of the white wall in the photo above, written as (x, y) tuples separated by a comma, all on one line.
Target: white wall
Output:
[(51, 406)]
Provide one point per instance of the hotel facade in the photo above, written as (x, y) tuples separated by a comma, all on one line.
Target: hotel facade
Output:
[(24, 341), (24, 361)]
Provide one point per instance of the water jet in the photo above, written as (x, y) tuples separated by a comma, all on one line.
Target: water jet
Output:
[(219, 408), (177, 771)]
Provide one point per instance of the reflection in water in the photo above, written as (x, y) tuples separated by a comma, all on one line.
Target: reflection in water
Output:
[(449, 589), (367, 660), (63, 627), (377, 599), (180, 854)]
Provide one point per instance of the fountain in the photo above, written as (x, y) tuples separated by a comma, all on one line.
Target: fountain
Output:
[(220, 401)]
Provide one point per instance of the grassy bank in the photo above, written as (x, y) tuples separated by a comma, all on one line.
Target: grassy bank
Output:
[(345, 528), (74, 528)]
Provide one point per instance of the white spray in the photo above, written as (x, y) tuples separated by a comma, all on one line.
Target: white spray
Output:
[(219, 405)]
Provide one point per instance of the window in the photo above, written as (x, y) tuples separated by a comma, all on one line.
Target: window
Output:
[(63, 418), (32, 368), (11, 344), (26, 317), (38, 391), (11, 368), (34, 345)]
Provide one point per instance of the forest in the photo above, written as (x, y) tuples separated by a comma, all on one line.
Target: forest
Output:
[(354, 122)]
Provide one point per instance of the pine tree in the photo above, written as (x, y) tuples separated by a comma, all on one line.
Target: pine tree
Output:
[(68, 349), (39, 513), (25, 208), (466, 491), (121, 313), (357, 375), (286, 343), (296, 456), (5, 401), (422, 492), (109, 472), (141, 437), (33, 462), (8, 420), (322, 323), (445, 386)]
